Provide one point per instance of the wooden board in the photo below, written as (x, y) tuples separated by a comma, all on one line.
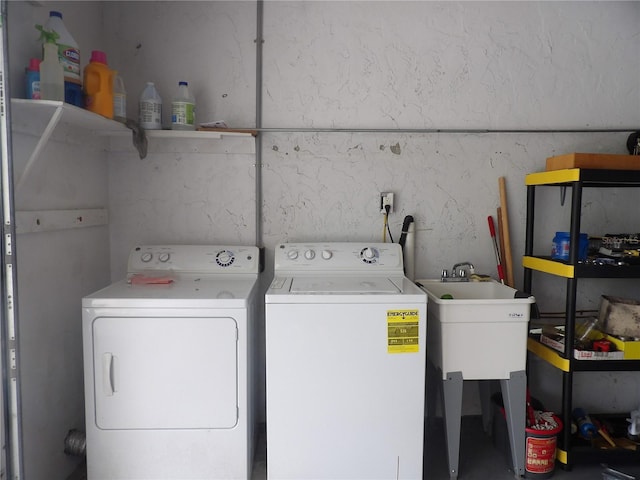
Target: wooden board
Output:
[(597, 161), (228, 130)]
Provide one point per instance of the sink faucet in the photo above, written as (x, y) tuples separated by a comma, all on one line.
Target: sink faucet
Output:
[(458, 274)]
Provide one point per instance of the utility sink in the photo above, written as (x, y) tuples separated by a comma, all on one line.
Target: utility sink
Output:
[(480, 331)]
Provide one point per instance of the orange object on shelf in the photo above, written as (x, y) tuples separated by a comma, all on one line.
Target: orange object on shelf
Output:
[(98, 85)]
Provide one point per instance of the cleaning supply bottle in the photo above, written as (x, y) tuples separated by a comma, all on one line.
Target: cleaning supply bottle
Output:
[(183, 109), (32, 78), (51, 72), (150, 108), (69, 54), (119, 100), (98, 85)]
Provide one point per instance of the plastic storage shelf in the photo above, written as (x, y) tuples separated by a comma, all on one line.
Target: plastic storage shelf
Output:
[(570, 451)]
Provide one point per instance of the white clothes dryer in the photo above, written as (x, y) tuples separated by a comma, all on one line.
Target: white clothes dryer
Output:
[(345, 363), (169, 367)]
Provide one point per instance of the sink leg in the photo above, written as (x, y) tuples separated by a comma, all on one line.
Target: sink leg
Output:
[(452, 406), (486, 388), (514, 397)]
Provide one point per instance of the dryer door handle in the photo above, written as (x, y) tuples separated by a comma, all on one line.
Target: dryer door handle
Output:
[(109, 373)]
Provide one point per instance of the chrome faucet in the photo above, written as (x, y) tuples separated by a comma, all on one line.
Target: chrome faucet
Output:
[(458, 274)]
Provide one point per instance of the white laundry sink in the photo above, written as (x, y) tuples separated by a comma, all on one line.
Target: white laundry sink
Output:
[(481, 331)]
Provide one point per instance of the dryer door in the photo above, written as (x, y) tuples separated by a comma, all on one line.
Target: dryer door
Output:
[(165, 372)]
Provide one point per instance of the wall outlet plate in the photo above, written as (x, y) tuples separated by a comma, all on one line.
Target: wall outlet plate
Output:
[(386, 198)]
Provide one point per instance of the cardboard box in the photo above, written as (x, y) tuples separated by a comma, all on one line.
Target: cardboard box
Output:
[(619, 316), (596, 161), (558, 344)]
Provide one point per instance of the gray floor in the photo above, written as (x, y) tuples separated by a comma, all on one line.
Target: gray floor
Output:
[(479, 460)]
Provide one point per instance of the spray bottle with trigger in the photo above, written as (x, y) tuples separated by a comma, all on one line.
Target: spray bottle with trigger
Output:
[(51, 71)]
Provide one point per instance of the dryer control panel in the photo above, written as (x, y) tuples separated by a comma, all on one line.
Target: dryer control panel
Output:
[(339, 257), (193, 259)]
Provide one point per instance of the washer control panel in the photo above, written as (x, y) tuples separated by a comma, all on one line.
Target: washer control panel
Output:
[(339, 257), (194, 259)]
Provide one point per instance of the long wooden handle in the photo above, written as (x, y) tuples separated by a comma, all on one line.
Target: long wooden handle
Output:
[(507, 258)]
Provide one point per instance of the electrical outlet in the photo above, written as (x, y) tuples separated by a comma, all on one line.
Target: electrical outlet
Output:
[(386, 198)]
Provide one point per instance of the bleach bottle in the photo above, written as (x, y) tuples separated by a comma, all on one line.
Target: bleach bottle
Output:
[(150, 108), (69, 54), (183, 109)]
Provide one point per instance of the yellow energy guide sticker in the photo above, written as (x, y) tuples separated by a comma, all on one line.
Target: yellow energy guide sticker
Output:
[(402, 331)]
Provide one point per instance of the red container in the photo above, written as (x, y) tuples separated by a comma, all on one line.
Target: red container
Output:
[(540, 451)]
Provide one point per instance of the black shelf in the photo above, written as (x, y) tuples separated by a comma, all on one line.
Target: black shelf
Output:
[(581, 450), (566, 364), (586, 270), (610, 178), (587, 177), (572, 450)]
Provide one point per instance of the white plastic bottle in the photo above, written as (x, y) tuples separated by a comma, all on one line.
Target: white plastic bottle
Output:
[(183, 109), (69, 54), (51, 72), (119, 100), (150, 108)]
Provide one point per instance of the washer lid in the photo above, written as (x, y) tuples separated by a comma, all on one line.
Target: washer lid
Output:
[(343, 285)]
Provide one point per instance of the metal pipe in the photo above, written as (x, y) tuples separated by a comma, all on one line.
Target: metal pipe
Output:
[(258, 165), (442, 130)]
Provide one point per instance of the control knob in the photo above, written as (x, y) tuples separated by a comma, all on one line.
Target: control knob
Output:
[(327, 254), (309, 254), (224, 258), (369, 253), (292, 254)]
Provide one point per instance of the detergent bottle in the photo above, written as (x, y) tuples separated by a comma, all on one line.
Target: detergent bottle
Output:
[(98, 85), (32, 79), (51, 72)]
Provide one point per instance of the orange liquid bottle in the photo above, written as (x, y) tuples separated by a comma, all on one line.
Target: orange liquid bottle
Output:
[(98, 85)]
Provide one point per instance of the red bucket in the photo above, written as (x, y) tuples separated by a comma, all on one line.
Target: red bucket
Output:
[(540, 451)]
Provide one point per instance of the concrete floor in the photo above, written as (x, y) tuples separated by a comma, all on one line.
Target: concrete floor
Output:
[(479, 460)]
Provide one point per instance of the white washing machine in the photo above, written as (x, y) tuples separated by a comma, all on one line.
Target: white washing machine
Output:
[(169, 366), (345, 360)]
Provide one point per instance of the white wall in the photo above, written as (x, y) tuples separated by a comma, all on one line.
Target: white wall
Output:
[(387, 65), (208, 44), (55, 268), (450, 64)]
